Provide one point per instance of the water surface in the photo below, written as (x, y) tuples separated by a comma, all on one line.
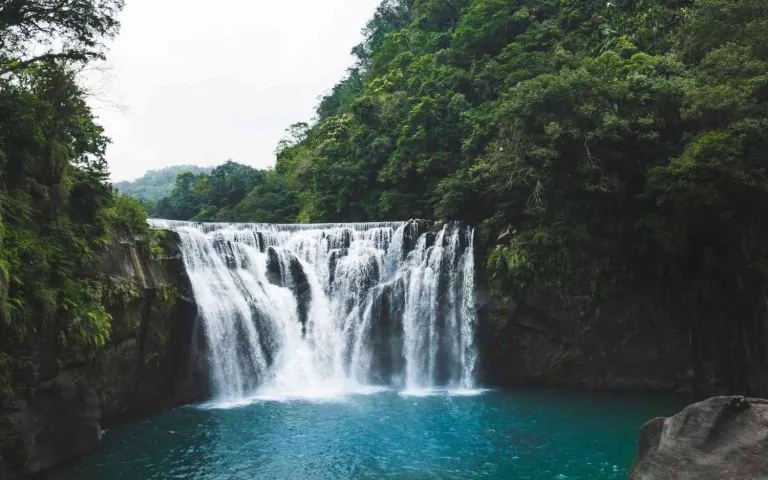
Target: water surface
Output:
[(521, 434)]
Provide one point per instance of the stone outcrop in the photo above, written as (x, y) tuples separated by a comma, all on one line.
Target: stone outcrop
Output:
[(151, 365), (387, 340), (147, 366), (60, 422), (722, 438)]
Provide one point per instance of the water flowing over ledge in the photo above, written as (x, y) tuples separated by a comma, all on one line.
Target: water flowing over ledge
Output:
[(320, 311)]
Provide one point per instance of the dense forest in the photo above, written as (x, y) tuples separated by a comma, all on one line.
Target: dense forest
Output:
[(209, 197), (156, 184), (57, 211), (599, 146)]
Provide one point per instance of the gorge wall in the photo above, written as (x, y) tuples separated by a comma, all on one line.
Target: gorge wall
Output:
[(64, 400), (544, 340), (629, 342)]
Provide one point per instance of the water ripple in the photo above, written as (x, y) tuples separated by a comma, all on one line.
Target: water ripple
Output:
[(530, 434)]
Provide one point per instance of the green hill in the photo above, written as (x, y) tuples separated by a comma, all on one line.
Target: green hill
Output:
[(156, 184)]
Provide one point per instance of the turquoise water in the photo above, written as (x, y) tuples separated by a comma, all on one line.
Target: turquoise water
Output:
[(523, 434)]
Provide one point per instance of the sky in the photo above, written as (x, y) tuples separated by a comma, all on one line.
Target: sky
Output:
[(199, 82)]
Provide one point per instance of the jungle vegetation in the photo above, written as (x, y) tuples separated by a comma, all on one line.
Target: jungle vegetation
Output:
[(57, 210), (634, 128)]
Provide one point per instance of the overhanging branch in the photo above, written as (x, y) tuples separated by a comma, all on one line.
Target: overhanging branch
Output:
[(42, 58)]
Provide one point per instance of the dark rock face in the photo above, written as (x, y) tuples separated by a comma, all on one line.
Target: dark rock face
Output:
[(230, 253), (336, 255), (340, 239), (634, 338), (293, 277), (147, 367), (722, 438), (156, 360), (627, 345), (62, 421), (430, 239), (386, 333), (274, 269), (415, 229)]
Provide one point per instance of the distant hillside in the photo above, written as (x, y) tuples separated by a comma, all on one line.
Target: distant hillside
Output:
[(156, 184)]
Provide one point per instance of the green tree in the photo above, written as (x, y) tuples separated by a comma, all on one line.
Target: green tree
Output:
[(207, 197), (57, 212), (73, 30)]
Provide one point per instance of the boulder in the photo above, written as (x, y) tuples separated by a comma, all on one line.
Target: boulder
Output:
[(722, 438)]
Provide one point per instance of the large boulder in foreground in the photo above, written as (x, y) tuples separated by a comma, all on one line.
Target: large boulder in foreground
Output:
[(722, 438)]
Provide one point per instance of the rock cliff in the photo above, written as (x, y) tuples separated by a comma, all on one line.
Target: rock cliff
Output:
[(147, 367), (630, 343), (618, 347)]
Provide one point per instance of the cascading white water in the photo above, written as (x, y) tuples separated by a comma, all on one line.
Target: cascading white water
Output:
[(324, 309)]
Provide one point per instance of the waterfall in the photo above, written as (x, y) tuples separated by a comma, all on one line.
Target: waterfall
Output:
[(297, 309)]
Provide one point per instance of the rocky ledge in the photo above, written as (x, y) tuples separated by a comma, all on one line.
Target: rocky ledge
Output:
[(722, 438)]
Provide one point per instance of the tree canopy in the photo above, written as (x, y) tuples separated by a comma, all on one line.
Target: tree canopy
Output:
[(207, 197), (619, 138), (38, 31), (600, 147)]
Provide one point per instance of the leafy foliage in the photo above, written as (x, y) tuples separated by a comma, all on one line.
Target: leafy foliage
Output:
[(599, 146), (620, 139), (34, 32), (57, 213)]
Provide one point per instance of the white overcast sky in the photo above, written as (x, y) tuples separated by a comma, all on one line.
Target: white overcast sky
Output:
[(198, 82)]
